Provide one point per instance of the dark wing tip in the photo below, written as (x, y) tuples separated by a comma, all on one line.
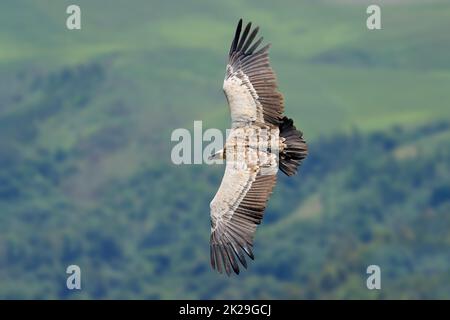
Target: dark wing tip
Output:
[(236, 37), (226, 255), (212, 257), (243, 42), (244, 36), (239, 25)]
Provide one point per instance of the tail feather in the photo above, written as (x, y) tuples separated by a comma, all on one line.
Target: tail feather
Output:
[(296, 149)]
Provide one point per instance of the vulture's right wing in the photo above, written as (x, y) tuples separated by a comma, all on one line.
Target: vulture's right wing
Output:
[(236, 210)]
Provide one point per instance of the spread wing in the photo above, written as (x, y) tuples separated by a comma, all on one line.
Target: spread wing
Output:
[(250, 83), (236, 210)]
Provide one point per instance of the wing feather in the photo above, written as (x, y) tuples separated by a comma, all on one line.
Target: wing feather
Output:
[(250, 83), (236, 210), (236, 38)]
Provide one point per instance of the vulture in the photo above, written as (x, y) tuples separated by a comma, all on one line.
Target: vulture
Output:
[(260, 142)]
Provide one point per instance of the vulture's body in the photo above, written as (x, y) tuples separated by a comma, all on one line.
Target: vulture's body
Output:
[(261, 141)]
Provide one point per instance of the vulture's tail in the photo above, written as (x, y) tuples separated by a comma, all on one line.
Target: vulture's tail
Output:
[(296, 149)]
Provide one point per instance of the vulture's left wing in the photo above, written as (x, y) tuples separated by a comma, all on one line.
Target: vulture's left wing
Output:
[(236, 210), (250, 83)]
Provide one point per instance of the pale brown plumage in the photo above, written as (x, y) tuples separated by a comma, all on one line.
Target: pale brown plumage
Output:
[(256, 107)]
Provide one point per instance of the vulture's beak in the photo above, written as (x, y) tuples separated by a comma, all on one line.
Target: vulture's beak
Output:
[(213, 157), (216, 156)]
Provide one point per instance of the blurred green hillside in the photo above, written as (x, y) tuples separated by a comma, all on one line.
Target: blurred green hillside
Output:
[(85, 170)]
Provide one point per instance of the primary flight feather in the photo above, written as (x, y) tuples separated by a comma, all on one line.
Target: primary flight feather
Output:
[(261, 140)]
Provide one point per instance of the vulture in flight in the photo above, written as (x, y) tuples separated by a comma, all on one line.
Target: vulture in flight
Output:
[(261, 140)]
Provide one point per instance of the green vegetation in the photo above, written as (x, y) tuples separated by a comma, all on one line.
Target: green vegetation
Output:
[(85, 171)]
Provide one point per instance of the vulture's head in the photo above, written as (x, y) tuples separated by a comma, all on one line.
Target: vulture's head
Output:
[(219, 155)]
